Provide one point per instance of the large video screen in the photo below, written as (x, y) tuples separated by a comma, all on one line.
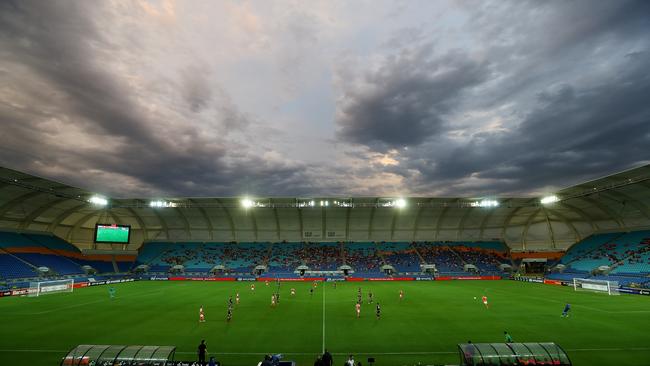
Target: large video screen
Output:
[(111, 233)]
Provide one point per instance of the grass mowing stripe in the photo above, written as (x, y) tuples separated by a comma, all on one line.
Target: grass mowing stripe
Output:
[(323, 348)]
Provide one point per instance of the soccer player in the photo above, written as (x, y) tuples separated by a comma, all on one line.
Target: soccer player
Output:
[(293, 291), (273, 300), (358, 307), (111, 292), (484, 299), (229, 315), (311, 291), (378, 312), (369, 297), (267, 282), (508, 337), (565, 312), (253, 287), (201, 315), (237, 298), (230, 301), (401, 295), (277, 297)]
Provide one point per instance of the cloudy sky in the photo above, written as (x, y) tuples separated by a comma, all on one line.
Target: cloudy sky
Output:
[(300, 98)]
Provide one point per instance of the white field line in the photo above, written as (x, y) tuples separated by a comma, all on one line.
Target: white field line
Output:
[(81, 304), (341, 353), (584, 306)]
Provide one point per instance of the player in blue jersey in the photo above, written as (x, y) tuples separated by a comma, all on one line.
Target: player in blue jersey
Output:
[(567, 308)]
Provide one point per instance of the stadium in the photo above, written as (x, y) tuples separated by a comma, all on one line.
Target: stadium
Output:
[(286, 183), (183, 254)]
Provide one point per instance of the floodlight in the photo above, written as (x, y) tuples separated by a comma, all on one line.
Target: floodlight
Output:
[(399, 203), (247, 203), (549, 199), (99, 201), (488, 203)]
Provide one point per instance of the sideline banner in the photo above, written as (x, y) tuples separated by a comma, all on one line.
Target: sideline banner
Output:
[(448, 278), (220, 279), (635, 291), (553, 282), (357, 279), (310, 279)]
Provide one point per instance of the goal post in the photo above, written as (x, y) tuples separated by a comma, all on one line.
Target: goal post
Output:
[(51, 287), (586, 284)]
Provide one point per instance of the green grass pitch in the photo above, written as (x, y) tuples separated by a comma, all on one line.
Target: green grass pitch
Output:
[(423, 328)]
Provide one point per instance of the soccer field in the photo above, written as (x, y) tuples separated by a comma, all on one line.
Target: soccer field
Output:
[(425, 327)]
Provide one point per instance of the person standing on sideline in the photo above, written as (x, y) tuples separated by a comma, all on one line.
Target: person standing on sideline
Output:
[(327, 358), (350, 361), (203, 349), (508, 337)]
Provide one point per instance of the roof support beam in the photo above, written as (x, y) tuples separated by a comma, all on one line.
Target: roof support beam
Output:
[(143, 227), (77, 224), (461, 225), (606, 210), (38, 211), (63, 215), (233, 232), (163, 223), (18, 200), (639, 205), (185, 221), (416, 225), (371, 219), (208, 222), (347, 223), (439, 221), (524, 235), (566, 222), (582, 214), (277, 222), (550, 227)]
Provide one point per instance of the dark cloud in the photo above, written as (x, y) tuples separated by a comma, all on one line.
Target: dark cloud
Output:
[(404, 101), (121, 146), (573, 134), (500, 98)]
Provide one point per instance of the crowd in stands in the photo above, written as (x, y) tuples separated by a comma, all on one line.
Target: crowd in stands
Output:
[(442, 256), (363, 258), (22, 254)]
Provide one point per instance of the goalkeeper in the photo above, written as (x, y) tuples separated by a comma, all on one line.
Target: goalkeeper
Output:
[(111, 292)]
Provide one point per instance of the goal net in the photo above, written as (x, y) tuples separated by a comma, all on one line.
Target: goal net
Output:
[(584, 284), (50, 287)]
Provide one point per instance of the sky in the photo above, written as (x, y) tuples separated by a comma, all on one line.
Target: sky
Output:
[(324, 98)]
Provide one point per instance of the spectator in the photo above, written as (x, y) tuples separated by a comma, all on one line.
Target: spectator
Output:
[(350, 361), (202, 351), (267, 361), (327, 358)]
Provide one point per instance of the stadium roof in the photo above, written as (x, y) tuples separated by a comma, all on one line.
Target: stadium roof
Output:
[(617, 202)]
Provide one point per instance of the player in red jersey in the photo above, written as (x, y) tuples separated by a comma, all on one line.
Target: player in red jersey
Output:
[(358, 308), (485, 302)]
